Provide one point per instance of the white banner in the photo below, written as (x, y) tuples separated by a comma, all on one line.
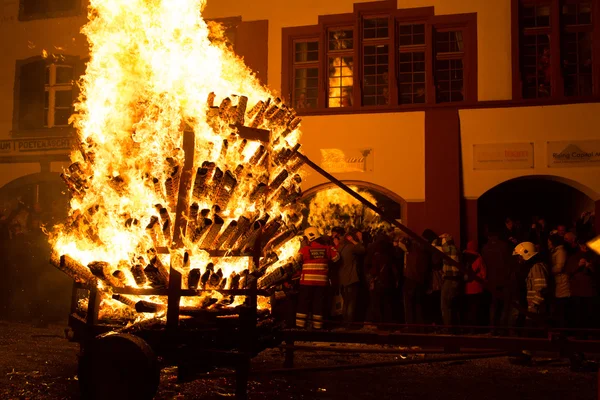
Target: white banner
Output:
[(565, 154)]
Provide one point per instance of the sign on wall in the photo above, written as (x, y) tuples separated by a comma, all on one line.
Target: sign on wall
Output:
[(583, 153), (341, 161), (503, 156), (37, 145)]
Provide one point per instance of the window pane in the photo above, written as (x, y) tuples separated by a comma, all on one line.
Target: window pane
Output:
[(577, 14), (411, 35), (341, 81), (341, 39), (535, 16), (375, 28), (379, 81), (306, 85), (306, 51), (536, 71), (449, 42), (449, 80), (576, 52), (61, 116), (411, 78), (47, 80), (64, 74), (63, 98), (47, 99)]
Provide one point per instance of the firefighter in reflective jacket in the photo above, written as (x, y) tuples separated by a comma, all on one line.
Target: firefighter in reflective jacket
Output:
[(315, 259)]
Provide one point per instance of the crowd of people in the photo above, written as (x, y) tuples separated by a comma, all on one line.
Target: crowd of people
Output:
[(520, 276), (30, 291)]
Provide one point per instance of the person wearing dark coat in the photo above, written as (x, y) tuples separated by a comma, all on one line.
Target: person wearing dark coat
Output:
[(582, 268), (497, 256)]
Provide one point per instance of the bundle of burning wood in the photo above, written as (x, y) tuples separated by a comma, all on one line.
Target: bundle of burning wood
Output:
[(210, 210)]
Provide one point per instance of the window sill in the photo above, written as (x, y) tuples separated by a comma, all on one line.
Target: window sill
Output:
[(43, 132), (457, 105)]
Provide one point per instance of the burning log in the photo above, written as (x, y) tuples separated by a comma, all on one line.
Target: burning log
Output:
[(265, 262), (210, 101), (234, 281), (254, 110), (193, 278), (202, 176), (242, 146), (291, 126), (172, 186), (223, 283), (128, 301), (279, 179), (101, 269), (226, 234), (216, 183), (157, 273), (152, 229), (157, 188), (242, 224), (72, 268), (213, 231), (258, 191), (258, 120), (241, 110), (257, 155), (247, 240), (224, 109), (243, 279), (201, 230), (206, 275), (138, 274), (120, 276), (144, 306), (281, 238), (226, 189), (279, 275), (166, 221)]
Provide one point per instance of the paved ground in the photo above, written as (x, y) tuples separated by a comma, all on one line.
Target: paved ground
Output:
[(40, 364)]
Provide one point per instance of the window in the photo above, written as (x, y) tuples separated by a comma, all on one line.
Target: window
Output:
[(554, 47), (376, 83), (576, 48), (449, 66), (306, 74), (58, 99), (340, 59), (33, 9), (537, 72), (411, 63), (380, 57), (45, 92)]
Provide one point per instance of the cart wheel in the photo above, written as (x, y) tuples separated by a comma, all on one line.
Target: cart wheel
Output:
[(118, 367)]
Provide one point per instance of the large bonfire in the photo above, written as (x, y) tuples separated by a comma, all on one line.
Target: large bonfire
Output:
[(143, 198)]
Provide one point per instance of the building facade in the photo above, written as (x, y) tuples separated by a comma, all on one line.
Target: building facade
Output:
[(438, 105)]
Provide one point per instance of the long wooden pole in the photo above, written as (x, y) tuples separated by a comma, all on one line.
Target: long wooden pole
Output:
[(377, 210)]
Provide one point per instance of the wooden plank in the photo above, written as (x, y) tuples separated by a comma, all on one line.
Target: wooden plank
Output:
[(248, 133), (185, 185)]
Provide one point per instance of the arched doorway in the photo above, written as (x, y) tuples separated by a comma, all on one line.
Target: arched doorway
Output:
[(390, 203), (556, 200)]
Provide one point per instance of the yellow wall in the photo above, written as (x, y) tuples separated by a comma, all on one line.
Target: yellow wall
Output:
[(397, 140), (524, 125), (10, 172), (21, 40), (493, 23)]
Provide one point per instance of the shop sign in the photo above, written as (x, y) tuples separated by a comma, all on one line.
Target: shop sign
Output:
[(503, 156), (37, 145), (343, 161), (565, 154)]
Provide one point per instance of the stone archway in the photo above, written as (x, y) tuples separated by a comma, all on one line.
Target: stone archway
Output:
[(557, 199), (371, 187)]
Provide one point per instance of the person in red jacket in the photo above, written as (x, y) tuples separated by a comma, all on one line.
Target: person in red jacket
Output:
[(476, 275), (315, 259)]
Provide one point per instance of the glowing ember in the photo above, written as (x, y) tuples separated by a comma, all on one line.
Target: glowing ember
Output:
[(153, 74)]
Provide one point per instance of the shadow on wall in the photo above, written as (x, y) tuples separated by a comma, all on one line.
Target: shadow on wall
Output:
[(31, 289), (523, 199)]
